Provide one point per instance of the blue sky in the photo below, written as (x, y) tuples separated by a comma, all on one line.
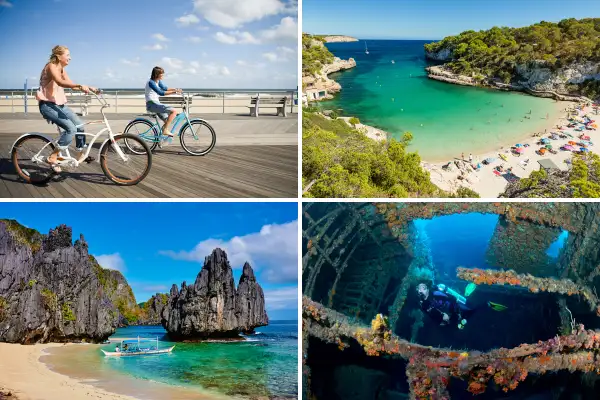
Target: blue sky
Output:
[(433, 19), (157, 244), (116, 43)]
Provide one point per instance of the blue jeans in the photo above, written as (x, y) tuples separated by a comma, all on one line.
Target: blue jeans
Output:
[(65, 118)]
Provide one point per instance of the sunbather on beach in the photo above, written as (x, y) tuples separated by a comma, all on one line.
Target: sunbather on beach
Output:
[(154, 89), (52, 103)]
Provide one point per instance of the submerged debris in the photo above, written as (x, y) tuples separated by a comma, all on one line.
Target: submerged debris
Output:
[(534, 284), (430, 369)]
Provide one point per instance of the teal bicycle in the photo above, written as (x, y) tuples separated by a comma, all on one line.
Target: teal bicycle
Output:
[(196, 135)]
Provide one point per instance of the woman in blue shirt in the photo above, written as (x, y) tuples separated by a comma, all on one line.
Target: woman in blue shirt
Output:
[(154, 89)]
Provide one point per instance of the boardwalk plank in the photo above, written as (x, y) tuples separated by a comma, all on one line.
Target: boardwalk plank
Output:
[(252, 158)]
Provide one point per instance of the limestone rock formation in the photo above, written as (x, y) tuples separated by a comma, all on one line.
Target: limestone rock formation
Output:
[(339, 38), (54, 291), (212, 307), (151, 310)]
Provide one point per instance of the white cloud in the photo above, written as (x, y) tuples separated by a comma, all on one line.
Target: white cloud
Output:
[(132, 62), (193, 39), (157, 46), (242, 63), (160, 37), (187, 20), (195, 64), (174, 63), (109, 74), (282, 299), (273, 252), (287, 30), (282, 55), (111, 261), (5, 3), (191, 71), (235, 13), (236, 37), (225, 71)]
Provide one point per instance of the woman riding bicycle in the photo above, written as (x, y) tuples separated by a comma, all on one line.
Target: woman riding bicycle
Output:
[(154, 89), (52, 103)]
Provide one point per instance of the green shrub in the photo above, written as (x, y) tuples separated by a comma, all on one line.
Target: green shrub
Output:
[(354, 121), (333, 115), (497, 52), (50, 299), (31, 283), (3, 308), (67, 313), (342, 162)]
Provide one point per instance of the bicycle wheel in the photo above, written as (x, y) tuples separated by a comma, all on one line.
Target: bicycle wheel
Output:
[(29, 157), (131, 170), (197, 137), (146, 131)]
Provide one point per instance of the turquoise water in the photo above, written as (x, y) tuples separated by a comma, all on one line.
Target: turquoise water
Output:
[(445, 119), (266, 364)]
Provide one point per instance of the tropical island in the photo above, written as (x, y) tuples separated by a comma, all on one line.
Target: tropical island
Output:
[(54, 293), (557, 60)]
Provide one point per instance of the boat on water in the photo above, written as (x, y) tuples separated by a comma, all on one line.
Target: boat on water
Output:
[(139, 347), (366, 49), (393, 62)]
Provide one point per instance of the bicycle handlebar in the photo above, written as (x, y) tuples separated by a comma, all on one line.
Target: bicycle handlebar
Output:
[(100, 98)]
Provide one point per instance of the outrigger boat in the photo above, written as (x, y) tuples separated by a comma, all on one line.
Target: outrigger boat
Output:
[(137, 348)]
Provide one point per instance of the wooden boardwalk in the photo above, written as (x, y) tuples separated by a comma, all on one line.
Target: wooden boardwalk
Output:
[(253, 157)]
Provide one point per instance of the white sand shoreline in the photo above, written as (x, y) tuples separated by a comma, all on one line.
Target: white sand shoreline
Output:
[(26, 377), (486, 183)]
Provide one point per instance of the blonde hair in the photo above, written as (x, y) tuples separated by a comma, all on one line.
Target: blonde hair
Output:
[(57, 51)]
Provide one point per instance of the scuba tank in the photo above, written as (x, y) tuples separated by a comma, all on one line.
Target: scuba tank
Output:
[(459, 298)]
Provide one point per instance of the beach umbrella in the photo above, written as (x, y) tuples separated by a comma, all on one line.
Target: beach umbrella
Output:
[(583, 149), (549, 146), (544, 140), (585, 137), (519, 149), (490, 160), (518, 145), (568, 147)]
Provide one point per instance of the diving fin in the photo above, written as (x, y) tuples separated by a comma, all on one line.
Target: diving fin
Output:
[(496, 306), (470, 289)]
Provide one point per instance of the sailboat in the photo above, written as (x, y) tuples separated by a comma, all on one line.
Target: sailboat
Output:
[(366, 49)]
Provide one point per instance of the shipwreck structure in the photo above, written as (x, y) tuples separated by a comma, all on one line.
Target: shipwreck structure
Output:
[(363, 336)]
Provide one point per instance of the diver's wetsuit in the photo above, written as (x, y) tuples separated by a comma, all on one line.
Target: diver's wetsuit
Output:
[(439, 303)]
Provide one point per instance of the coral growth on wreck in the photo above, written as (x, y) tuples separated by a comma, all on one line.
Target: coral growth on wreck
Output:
[(534, 284), (430, 369)]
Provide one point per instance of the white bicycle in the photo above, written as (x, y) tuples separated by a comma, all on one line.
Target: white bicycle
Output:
[(125, 159)]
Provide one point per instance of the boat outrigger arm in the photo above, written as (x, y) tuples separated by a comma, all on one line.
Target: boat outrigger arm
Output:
[(137, 350)]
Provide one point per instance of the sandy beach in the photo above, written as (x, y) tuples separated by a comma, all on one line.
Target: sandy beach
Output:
[(490, 185), (27, 378)]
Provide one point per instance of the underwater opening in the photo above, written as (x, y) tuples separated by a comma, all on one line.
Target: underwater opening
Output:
[(555, 248), (457, 240)]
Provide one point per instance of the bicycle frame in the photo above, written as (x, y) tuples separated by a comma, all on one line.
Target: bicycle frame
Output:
[(182, 116), (67, 159)]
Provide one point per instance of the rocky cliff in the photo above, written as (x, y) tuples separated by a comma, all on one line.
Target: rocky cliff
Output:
[(317, 80), (339, 38), (212, 307), (52, 290), (151, 310)]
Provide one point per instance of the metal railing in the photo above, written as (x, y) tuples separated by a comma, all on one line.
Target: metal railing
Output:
[(210, 98)]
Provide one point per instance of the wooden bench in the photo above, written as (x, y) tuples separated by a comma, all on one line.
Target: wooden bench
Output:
[(81, 100), (268, 102), (175, 100)]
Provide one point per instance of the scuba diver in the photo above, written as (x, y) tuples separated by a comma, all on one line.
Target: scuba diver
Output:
[(446, 306)]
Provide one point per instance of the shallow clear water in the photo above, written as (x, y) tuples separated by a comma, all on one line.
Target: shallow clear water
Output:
[(266, 364), (445, 119)]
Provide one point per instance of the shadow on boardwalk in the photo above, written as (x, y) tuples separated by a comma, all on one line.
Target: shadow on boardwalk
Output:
[(253, 157)]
